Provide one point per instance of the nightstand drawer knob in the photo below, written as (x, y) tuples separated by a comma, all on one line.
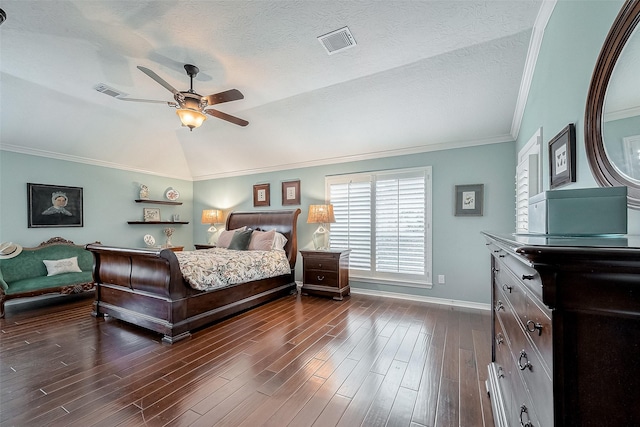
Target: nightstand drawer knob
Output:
[(523, 410), (319, 265), (320, 278)]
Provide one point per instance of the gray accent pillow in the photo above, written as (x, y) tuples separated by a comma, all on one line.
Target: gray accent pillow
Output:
[(240, 240)]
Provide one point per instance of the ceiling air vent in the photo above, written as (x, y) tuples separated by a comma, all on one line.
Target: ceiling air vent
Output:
[(107, 90), (337, 40)]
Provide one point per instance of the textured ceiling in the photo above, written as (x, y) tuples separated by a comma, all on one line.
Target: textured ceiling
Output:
[(424, 75)]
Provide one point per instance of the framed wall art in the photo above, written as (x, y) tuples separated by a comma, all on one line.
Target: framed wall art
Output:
[(261, 196), (291, 193), (151, 214), (54, 206), (469, 200), (562, 157)]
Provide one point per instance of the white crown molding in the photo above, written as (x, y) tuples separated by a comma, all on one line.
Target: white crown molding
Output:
[(276, 168), (358, 157), (84, 160), (430, 300), (621, 114), (537, 35)]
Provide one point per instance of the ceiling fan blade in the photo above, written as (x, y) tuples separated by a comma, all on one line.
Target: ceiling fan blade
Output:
[(158, 79), (153, 101), (226, 96), (227, 117)]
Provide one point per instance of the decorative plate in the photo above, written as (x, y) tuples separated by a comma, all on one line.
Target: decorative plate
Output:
[(149, 240), (172, 194)]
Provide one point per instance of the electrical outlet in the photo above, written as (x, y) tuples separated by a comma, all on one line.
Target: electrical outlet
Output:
[(441, 279)]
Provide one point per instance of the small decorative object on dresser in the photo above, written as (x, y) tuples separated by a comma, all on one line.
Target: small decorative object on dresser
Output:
[(291, 193), (562, 157), (168, 232), (469, 200), (326, 273)]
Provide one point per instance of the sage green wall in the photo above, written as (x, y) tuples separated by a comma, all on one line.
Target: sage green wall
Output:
[(572, 41), (108, 195), (458, 248)]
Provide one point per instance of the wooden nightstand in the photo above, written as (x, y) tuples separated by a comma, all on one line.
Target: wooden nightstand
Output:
[(326, 273), (201, 246)]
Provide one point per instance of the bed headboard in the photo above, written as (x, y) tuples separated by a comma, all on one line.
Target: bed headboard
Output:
[(285, 222)]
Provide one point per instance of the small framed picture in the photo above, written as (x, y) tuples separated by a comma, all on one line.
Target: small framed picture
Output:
[(562, 157), (261, 196), (469, 200), (151, 214), (54, 206), (291, 193)]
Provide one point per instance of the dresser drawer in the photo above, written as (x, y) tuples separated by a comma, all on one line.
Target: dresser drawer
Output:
[(527, 362), (321, 277)]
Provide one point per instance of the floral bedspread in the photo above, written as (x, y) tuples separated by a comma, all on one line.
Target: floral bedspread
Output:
[(217, 267)]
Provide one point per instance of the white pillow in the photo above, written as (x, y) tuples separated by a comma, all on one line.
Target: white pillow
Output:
[(67, 265), (279, 241)]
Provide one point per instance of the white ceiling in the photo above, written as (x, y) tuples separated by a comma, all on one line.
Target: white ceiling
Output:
[(424, 75)]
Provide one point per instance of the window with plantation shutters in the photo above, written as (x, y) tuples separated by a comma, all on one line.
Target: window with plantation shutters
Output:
[(384, 218)]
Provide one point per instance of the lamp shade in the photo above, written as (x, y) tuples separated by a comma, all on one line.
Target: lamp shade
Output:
[(321, 214), (191, 118), (212, 216)]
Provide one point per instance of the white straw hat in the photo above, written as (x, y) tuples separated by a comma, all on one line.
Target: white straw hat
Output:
[(9, 250)]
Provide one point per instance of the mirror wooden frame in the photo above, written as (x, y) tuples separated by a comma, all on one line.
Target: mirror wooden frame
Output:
[(603, 170)]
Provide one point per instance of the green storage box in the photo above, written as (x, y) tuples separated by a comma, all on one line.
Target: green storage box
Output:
[(581, 212)]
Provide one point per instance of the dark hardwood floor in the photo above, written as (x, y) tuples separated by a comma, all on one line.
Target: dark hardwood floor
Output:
[(298, 361)]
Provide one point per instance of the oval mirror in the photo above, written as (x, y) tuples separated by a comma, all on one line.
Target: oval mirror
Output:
[(612, 116)]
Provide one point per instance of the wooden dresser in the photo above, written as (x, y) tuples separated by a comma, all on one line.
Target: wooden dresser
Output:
[(326, 273), (566, 330)]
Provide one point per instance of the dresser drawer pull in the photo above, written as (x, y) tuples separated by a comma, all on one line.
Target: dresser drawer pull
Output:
[(527, 277), (501, 255), (506, 288), (496, 250), (500, 372), (533, 326), (320, 278), (523, 410), (499, 338), (523, 355), (495, 270), (499, 306)]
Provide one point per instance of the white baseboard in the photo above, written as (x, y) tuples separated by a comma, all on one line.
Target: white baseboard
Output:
[(432, 300)]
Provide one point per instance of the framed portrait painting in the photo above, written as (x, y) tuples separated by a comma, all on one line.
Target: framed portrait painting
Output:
[(54, 206), (291, 193), (469, 200), (261, 196), (562, 157)]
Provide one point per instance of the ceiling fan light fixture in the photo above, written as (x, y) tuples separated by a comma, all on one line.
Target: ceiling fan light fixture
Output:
[(191, 118)]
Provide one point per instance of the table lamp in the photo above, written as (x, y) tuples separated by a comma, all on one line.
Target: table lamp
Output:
[(212, 216), (323, 215)]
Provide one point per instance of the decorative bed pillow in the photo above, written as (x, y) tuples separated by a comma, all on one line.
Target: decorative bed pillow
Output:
[(240, 240), (279, 241), (59, 266), (262, 240), (226, 236)]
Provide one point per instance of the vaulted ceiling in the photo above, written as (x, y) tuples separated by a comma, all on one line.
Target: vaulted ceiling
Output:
[(424, 75)]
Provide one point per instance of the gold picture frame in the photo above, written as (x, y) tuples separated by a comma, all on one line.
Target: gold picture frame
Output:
[(261, 195), (291, 193)]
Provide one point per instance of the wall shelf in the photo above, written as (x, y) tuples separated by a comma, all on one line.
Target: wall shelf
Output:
[(158, 222), (158, 202)]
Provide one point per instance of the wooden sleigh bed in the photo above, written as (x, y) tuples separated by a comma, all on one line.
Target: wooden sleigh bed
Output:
[(145, 287)]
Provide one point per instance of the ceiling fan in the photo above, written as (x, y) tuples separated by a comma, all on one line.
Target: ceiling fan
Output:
[(191, 105)]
